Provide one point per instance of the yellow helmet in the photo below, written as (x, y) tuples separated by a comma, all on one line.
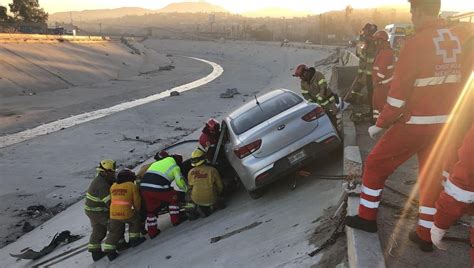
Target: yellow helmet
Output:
[(197, 158), (107, 165)]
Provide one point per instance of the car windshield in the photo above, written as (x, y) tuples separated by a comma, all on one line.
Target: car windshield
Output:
[(268, 109)]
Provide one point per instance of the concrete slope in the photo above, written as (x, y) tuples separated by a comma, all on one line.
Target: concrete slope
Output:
[(35, 68), (32, 169)]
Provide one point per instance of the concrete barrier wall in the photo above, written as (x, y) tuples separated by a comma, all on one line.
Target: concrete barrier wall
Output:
[(42, 38)]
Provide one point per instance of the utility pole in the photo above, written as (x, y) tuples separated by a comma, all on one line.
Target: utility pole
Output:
[(100, 27)]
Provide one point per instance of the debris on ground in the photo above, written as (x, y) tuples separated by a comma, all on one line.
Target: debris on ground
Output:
[(58, 239), (238, 231), (230, 92), (166, 68), (27, 227), (174, 93)]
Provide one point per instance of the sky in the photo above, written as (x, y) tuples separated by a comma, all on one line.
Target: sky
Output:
[(237, 6)]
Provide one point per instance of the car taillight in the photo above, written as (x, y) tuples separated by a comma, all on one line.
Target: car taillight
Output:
[(248, 149), (262, 176), (314, 114)]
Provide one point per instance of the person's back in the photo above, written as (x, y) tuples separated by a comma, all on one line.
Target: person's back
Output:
[(206, 185), (125, 199), (424, 85)]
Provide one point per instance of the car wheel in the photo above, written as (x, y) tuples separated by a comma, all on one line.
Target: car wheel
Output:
[(256, 194)]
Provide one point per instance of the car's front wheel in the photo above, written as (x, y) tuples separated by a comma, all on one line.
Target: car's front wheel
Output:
[(256, 194)]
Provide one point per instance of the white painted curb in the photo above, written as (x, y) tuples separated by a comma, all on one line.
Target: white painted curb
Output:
[(75, 120), (363, 248)]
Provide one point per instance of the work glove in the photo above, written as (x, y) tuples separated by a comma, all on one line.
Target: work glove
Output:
[(437, 237), (375, 132)]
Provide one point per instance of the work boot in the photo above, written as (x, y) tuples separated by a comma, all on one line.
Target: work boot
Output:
[(357, 222), (137, 241), (112, 255), (425, 246), (97, 255), (155, 235), (123, 246)]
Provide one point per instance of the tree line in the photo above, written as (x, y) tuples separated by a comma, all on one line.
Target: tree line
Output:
[(23, 11)]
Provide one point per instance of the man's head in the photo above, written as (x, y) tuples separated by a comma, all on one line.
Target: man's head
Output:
[(126, 175), (161, 155), (423, 11), (381, 38), (301, 71), (369, 29), (198, 158), (213, 126), (107, 169)]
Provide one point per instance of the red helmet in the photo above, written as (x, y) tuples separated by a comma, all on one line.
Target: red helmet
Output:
[(299, 70), (212, 125), (381, 35)]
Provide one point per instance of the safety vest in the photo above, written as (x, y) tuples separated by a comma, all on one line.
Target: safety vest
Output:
[(428, 79), (161, 174)]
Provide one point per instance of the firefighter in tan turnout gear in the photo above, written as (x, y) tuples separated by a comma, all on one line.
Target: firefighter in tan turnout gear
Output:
[(97, 205), (314, 88), (124, 210), (205, 184)]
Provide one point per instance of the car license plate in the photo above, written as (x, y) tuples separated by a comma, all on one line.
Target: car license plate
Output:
[(296, 157)]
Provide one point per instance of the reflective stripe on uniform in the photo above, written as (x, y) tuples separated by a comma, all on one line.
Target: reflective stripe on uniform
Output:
[(427, 210), (360, 71), (445, 174), (386, 81), (110, 247), (390, 67), (154, 186), (119, 202), (369, 204), (457, 193), (438, 80), (96, 199), (321, 81), (174, 212), (304, 92), (380, 75), (366, 190), (96, 209), (370, 60), (173, 207), (395, 102), (426, 224), (93, 246), (134, 235), (428, 120), (376, 68)]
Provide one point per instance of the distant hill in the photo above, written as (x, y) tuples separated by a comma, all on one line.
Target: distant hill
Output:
[(192, 7), (98, 14), (87, 15), (275, 12)]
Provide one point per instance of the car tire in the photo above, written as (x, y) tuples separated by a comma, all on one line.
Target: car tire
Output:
[(256, 194)]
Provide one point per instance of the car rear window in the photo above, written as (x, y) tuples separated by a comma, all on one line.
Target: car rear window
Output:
[(267, 110)]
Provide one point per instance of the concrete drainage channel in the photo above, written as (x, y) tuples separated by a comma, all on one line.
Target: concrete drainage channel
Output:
[(364, 249)]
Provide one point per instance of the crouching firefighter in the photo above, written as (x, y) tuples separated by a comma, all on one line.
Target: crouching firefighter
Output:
[(205, 185), (97, 206), (314, 88), (155, 188), (124, 209)]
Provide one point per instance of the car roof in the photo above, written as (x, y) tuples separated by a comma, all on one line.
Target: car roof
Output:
[(251, 103)]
